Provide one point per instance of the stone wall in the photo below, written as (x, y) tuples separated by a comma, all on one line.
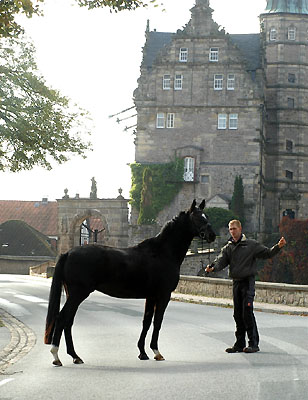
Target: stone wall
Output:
[(266, 292), (20, 264)]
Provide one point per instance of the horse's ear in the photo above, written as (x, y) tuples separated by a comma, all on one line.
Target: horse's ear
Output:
[(202, 205), (193, 206)]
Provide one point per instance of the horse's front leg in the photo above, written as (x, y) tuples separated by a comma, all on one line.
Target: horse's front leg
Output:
[(147, 319), (161, 306)]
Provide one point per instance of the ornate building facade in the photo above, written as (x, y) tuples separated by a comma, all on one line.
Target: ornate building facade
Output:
[(230, 105)]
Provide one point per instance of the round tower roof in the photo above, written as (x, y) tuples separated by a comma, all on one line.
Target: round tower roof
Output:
[(287, 6)]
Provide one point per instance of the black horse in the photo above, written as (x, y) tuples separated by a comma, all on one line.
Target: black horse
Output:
[(149, 270)]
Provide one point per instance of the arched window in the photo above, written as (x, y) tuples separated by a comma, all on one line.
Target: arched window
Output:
[(273, 34), (291, 33)]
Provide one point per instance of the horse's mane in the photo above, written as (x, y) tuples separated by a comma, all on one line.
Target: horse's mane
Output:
[(165, 231)]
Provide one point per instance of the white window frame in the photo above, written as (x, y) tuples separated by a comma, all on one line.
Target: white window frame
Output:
[(231, 82), (218, 81), (233, 121), (291, 33), (214, 54), (166, 82), (189, 169), (183, 55), (160, 120), (178, 82), (170, 120), (222, 121), (273, 34)]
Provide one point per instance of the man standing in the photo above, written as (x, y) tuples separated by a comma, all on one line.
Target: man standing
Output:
[(240, 254)]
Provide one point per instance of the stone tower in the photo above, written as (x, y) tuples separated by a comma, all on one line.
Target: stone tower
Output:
[(284, 31)]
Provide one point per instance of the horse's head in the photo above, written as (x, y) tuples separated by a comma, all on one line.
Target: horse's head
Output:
[(200, 222)]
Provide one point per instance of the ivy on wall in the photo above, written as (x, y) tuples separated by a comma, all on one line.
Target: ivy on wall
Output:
[(166, 182)]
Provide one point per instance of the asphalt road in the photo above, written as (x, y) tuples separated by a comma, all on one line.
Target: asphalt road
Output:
[(192, 340)]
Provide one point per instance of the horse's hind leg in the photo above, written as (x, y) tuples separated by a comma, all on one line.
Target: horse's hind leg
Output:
[(161, 306), (64, 322), (147, 319)]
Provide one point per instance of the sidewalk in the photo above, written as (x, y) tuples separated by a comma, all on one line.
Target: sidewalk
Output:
[(265, 307)]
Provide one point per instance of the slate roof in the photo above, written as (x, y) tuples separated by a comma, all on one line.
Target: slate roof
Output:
[(41, 215), (155, 42), (19, 239), (248, 44)]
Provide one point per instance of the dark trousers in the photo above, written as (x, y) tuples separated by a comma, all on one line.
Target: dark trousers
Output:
[(243, 296)]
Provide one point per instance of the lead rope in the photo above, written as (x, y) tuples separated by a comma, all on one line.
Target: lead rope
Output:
[(209, 256)]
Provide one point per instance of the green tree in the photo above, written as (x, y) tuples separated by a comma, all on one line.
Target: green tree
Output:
[(219, 217), (10, 8), (37, 124), (146, 214), (237, 202)]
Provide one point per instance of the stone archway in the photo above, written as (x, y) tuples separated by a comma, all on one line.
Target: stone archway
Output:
[(112, 212)]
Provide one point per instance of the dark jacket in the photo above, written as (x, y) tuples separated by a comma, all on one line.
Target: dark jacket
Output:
[(241, 257)]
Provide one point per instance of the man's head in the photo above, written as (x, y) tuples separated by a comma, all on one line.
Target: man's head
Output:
[(235, 229)]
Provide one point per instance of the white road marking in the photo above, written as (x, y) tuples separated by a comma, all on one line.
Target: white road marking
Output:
[(32, 299), (6, 381)]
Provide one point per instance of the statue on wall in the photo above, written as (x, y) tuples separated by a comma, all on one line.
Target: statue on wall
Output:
[(93, 193)]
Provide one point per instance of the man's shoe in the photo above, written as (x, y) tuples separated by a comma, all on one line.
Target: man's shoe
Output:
[(251, 349), (234, 349)]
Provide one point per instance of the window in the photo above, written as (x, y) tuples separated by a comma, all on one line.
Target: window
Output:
[(231, 82), (290, 102), (222, 121), (273, 34), (233, 118), (166, 82), (213, 56), (183, 57), (189, 169), (218, 82), (178, 82), (289, 174), (205, 179), (170, 120), (291, 78), (291, 33), (160, 120), (289, 145)]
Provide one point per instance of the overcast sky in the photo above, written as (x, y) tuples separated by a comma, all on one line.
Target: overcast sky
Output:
[(93, 57)]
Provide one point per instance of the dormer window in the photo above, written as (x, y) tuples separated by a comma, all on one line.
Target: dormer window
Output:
[(273, 34), (291, 33), (214, 54), (183, 56), (189, 169)]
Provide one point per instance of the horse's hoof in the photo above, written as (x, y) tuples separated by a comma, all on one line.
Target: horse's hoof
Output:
[(57, 363), (78, 361), (143, 356), (159, 357)]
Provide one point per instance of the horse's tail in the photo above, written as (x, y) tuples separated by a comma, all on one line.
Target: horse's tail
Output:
[(54, 298)]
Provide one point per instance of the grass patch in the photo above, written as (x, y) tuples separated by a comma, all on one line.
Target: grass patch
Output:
[(1, 323)]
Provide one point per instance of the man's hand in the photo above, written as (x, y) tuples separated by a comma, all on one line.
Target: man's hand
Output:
[(209, 268), (282, 242)]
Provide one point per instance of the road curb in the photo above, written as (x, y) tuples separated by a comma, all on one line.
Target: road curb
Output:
[(22, 341)]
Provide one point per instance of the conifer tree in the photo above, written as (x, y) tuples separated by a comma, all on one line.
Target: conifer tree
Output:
[(237, 202)]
